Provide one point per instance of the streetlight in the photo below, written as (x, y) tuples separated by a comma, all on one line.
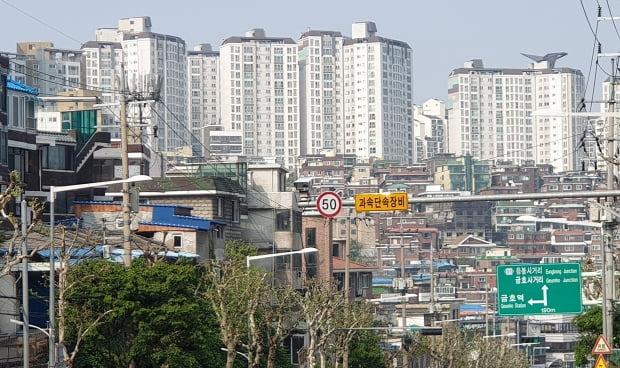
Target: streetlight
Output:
[(238, 352), (248, 259), (510, 334), (52, 199), (21, 323)]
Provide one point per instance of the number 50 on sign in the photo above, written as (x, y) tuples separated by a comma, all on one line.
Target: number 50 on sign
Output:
[(329, 204)]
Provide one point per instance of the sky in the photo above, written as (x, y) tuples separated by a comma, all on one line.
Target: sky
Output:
[(442, 33)]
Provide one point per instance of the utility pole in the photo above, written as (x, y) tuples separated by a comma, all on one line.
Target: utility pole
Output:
[(432, 281), (347, 258), (404, 292), (125, 172), (609, 225)]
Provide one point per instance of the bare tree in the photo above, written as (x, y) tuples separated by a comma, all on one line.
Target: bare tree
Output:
[(13, 190), (280, 317), (357, 314), (319, 304), (235, 294), (456, 349)]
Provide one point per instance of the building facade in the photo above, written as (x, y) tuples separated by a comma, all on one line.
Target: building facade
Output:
[(203, 95), (321, 92), (378, 95), (259, 94), (155, 77), (429, 129), (517, 115), (47, 69), (356, 94)]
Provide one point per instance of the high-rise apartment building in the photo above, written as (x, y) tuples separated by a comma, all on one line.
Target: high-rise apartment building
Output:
[(48, 69), (203, 95), (356, 94), (378, 95), (259, 89), (321, 92), (155, 71), (517, 115)]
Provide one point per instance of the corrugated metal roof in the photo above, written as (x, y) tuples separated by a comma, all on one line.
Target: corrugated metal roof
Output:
[(20, 87)]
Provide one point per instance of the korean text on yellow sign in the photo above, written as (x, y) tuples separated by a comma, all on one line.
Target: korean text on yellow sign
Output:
[(381, 202)]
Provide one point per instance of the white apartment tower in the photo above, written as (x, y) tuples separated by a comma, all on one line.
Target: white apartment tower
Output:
[(517, 115), (259, 94), (155, 69), (378, 98), (321, 92), (356, 94), (203, 95)]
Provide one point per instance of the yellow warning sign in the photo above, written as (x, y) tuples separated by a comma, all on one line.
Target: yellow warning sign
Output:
[(381, 202), (600, 362), (601, 346)]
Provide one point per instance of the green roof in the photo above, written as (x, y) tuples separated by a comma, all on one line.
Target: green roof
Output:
[(194, 183)]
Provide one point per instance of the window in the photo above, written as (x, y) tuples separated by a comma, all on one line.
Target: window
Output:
[(283, 220), (220, 207), (57, 157), (311, 237), (177, 240), (235, 208)]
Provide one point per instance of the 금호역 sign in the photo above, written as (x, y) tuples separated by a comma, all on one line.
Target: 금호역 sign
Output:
[(381, 202), (525, 289)]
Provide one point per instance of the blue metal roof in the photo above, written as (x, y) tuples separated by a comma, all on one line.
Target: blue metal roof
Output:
[(381, 281), (116, 255), (164, 215), (20, 87)]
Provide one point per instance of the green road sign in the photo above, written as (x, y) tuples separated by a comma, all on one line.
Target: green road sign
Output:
[(553, 288)]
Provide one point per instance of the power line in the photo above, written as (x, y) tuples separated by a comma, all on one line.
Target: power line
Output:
[(42, 22), (69, 81), (612, 19)]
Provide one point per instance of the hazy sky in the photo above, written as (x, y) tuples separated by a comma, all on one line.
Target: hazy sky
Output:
[(442, 34)]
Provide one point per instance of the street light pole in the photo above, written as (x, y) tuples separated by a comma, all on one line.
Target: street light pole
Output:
[(52, 276), (248, 259)]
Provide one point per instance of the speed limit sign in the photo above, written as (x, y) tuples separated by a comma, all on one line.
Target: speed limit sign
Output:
[(329, 204)]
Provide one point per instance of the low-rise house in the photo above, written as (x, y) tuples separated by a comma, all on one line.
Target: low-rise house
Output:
[(569, 243), (173, 227), (469, 246), (214, 198), (360, 277)]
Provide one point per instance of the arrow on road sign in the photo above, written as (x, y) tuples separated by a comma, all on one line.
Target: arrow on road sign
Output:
[(544, 299), (601, 346)]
